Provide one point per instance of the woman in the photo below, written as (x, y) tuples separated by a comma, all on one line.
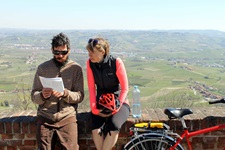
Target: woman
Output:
[(106, 75)]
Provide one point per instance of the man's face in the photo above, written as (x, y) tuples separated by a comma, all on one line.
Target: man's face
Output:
[(61, 53)]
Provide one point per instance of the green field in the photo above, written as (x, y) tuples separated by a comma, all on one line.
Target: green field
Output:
[(162, 83)]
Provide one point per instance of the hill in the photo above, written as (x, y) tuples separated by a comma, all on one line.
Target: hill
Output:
[(172, 68)]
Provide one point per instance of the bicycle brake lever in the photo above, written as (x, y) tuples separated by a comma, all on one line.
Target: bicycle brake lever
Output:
[(217, 101)]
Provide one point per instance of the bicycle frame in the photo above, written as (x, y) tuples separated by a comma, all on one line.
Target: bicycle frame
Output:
[(186, 134), (169, 139)]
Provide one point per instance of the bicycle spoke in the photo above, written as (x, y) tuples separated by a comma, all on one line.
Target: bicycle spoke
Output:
[(148, 144)]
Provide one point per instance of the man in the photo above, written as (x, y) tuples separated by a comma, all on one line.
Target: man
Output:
[(56, 114)]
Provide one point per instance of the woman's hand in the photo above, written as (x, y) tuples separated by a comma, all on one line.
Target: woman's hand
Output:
[(104, 115)]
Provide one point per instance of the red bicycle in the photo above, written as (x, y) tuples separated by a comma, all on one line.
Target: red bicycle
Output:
[(158, 136)]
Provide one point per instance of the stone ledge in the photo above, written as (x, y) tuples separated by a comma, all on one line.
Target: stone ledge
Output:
[(19, 129), (212, 116)]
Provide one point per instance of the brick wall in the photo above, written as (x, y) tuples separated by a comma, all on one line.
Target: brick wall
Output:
[(18, 129)]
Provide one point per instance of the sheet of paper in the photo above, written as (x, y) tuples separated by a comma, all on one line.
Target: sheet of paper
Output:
[(54, 83)]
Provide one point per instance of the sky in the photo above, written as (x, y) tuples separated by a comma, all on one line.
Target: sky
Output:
[(113, 14)]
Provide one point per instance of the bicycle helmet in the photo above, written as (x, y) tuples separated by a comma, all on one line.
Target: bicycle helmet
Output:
[(107, 100)]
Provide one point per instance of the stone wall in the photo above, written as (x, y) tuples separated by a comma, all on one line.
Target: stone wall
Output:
[(18, 129)]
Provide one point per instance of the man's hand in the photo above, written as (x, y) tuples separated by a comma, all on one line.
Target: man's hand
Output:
[(57, 94), (47, 92)]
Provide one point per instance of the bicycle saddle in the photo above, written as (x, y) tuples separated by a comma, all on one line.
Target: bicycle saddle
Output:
[(174, 113)]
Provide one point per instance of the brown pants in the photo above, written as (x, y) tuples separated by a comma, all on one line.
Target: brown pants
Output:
[(67, 135)]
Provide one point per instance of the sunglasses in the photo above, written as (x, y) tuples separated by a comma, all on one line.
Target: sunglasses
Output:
[(57, 52), (93, 42)]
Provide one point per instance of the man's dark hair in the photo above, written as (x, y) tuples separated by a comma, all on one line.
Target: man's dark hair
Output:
[(60, 40)]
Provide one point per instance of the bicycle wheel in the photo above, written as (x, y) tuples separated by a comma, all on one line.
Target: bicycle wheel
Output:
[(151, 142)]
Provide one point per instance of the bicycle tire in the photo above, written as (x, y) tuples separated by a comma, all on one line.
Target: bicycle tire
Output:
[(151, 141)]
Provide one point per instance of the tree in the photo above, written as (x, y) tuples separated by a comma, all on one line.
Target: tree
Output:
[(22, 99)]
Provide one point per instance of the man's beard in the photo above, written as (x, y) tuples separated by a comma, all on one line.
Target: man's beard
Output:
[(60, 64)]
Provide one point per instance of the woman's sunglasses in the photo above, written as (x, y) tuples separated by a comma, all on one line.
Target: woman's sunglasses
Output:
[(93, 42), (57, 52)]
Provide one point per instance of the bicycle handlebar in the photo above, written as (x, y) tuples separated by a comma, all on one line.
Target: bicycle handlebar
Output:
[(217, 101)]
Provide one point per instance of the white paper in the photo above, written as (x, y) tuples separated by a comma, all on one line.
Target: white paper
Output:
[(54, 83)]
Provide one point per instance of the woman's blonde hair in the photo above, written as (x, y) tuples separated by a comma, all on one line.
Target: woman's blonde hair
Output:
[(100, 44)]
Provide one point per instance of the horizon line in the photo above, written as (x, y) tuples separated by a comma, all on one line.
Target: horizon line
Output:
[(115, 29)]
